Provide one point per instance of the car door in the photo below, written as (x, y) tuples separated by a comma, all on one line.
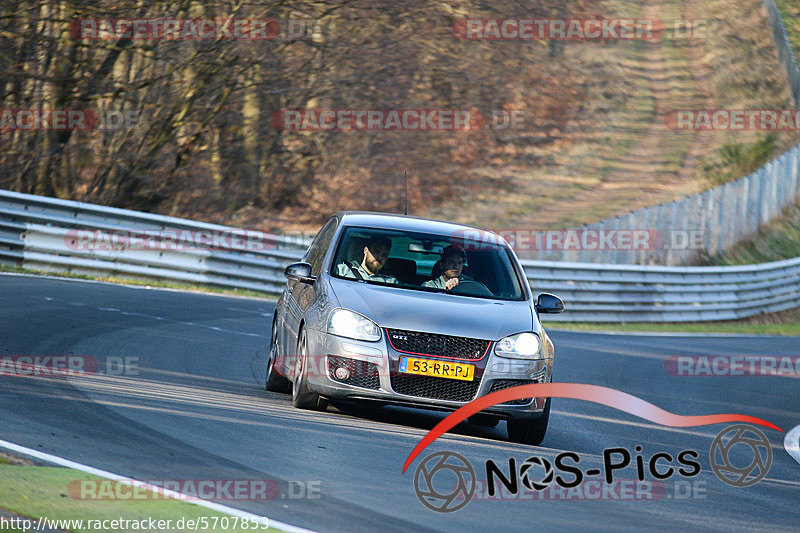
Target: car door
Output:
[(300, 296)]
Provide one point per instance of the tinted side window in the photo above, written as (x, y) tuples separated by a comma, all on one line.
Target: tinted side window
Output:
[(316, 252)]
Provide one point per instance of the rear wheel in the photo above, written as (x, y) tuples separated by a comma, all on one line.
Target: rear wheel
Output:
[(529, 431), (274, 381), (302, 397)]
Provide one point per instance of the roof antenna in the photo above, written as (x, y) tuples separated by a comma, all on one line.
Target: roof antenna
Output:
[(405, 180)]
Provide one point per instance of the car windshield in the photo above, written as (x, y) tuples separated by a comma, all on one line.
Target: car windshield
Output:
[(427, 262)]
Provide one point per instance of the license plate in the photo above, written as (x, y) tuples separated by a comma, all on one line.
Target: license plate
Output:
[(439, 369)]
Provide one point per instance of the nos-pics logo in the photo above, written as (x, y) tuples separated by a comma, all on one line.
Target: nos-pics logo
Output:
[(451, 470), (445, 481), (741, 455)]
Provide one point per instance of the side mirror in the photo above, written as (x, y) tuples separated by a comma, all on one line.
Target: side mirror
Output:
[(549, 303), (300, 272)]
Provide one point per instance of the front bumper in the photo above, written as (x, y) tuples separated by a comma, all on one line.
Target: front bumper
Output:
[(375, 377)]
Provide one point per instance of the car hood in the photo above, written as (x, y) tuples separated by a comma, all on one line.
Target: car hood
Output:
[(432, 312)]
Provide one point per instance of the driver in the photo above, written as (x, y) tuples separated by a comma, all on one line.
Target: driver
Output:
[(453, 259), (376, 252)]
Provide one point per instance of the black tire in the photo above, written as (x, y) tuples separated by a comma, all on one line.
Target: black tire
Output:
[(274, 382), (529, 431), (302, 397), (488, 421)]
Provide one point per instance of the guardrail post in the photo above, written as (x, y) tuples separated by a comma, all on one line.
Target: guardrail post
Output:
[(780, 196), (626, 257), (773, 192), (654, 256), (637, 221), (794, 188), (666, 250), (687, 221), (708, 217), (645, 216), (753, 185), (570, 255), (741, 209), (610, 256), (762, 195), (725, 211)]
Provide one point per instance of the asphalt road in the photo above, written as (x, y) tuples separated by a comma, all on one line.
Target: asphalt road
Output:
[(197, 410)]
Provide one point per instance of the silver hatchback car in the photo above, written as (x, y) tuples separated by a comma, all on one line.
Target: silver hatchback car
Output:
[(416, 312)]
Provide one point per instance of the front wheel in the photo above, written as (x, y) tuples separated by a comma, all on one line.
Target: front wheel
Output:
[(529, 431), (274, 382), (302, 397)]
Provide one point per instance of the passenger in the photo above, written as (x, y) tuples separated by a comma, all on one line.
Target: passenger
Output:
[(376, 252), (453, 259)]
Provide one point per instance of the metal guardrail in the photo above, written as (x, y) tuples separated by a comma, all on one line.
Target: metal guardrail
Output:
[(634, 293), (37, 232)]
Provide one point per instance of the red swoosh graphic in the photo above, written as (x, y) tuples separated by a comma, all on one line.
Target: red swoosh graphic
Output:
[(579, 391)]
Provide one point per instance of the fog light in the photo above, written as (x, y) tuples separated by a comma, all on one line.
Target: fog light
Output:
[(342, 373)]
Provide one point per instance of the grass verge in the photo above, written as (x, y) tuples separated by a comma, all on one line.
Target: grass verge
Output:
[(44, 491), (188, 287), (780, 239), (790, 13)]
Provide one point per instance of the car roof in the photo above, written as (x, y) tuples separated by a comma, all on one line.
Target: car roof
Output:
[(402, 222)]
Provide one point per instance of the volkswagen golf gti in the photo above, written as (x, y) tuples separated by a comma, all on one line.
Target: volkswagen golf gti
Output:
[(414, 312)]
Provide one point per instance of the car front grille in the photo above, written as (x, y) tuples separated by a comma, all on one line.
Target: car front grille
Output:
[(435, 388), (502, 384), (438, 345), (362, 373)]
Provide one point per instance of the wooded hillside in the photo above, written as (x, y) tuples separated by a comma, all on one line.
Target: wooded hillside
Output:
[(202, 142)]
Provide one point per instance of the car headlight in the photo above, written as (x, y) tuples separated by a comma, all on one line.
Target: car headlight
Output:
[(519, 346), (346, 323)]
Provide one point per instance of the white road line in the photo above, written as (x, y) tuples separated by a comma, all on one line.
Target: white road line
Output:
[(140, 287), (154, 317), (161, 490), (792, 443), (250, 312)]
